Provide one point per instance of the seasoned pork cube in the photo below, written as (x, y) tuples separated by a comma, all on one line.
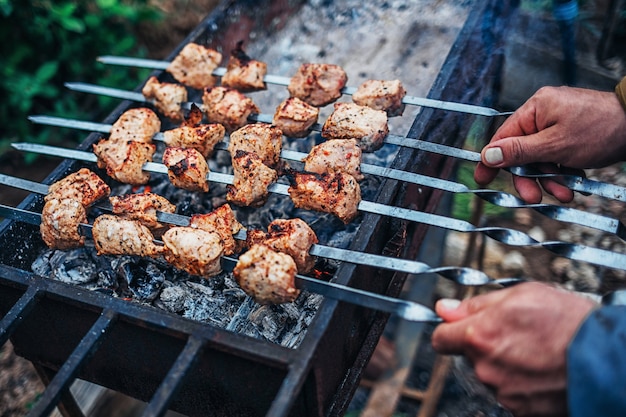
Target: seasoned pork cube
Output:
[(244, 73), (187, 169), (335, 193), (252, 179), (259, 138), (136, 124), (194, 116), (194, 251), (194, 66), (338, 155), (60, 220), (168, 97), (267, 276), (84, 186), (381, 95), (291, 236), (142, 207), (351, 121), (318, 84), (113, 235), (228, 107), (222, 220), (124, 160), (202, 138), (295, 117)]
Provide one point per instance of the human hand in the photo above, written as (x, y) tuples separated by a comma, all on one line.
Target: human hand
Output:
[(516, 339), (558, 128)]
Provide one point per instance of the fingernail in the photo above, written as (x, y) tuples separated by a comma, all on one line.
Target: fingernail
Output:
[(449, 303), (494, 156)]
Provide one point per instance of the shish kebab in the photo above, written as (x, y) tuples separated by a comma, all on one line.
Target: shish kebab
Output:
[(495, 197), (504, 235), (573, 182), (406, 310), (460, 275)]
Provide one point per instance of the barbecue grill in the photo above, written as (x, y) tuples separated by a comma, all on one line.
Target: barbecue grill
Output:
[(198, 369)]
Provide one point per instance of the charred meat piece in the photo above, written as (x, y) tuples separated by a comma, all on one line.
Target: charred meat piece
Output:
[(60, 220), (291, 236), (251, 180), (202, 138), (294, 117), (318, 84), (186, 169), (84, 186), (194, 116), (244, 73), (338, 155), (138, 124), (168, 97), (113, 235), (267, 276), (381, 95), (222, 221), (142, 207), (194, 251), (228, 107), (337, 193), (351, 121), (194, 66), (124, 159), (259, 138)]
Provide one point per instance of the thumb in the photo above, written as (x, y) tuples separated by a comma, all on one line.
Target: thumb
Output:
[(517, 150)]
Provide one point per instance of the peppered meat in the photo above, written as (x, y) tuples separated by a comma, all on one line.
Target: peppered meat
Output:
[(124, 159), (337, 155), (186, 168), (113, 235), (244, 73), (383, 95), (295, 117), (228, 106), (351, 121), (168, 97), (139, 124), (291, 236), (267, 276), (84, 186), (318, 84), (194, 65), (203, 137), (251, 180), (259, 138), (142, 207), (337, 193), (222, 220), (60, 220), (193, 250)]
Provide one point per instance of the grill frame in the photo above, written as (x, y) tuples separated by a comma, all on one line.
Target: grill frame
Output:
[(50, 323)]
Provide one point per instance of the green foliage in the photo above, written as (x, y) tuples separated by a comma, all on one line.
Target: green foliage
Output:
[(49, 42)]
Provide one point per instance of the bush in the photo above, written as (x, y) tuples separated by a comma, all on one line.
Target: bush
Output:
[(49, 42)]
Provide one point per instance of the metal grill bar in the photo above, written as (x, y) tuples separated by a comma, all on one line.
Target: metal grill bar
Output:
[(20, 309)]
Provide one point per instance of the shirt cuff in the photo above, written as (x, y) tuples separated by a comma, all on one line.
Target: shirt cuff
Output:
[(620, 90)]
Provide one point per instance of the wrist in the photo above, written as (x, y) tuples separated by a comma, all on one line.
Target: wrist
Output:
[(620, 91)]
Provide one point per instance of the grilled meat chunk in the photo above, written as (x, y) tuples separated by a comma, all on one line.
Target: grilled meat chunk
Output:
[(294, 117), (251, 180), (168, 97), (142, 207), (291, 236), (267, 276), (194, 251), (138, 124), (84, 186), (259, 138), (222, 221), (228, 107), (338, 155), (124, 159), (381, 95), (337, 193), (194, 66), (203, 137), (318, 84), (186, 169), (244, 73), (60, 220), (113, 235), (351, 121)]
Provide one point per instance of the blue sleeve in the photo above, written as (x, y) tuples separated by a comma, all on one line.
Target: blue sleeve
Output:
[(596, 365)]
